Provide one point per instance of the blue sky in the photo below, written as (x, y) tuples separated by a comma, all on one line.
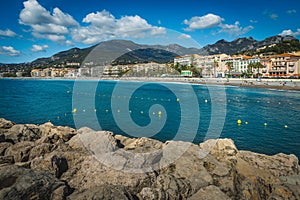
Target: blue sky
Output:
[(40, 28)]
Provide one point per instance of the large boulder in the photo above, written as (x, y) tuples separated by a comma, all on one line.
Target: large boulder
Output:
[(103, 192), (210, 192), (5, 124), (20, 132), (20, 151), (20, 183)]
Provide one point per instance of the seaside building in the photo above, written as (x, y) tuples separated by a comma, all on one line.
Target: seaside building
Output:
[(186, 60), (284, 65), (210, 65)]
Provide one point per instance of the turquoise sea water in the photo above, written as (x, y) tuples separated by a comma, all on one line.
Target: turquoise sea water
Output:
[(161, 110)]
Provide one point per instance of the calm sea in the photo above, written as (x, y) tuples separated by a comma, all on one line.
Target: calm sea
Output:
[(164, 111)]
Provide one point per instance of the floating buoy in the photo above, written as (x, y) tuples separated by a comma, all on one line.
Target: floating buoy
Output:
[(285, 126), (74, 110), (83, 110), (106, 110), (265, 124), (95, 110), (130, 111), (246, 123), (177, 99), (239, 121), (118, 110), (142, 112), (159, 113), (153, 113), (206, 100), (68, 91)]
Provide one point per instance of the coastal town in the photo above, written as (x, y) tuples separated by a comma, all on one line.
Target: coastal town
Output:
[(285, 65)]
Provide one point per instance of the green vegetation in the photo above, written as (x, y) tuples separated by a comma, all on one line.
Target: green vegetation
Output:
[(229, 66), (145, 56), (197, 72), (279, 48)]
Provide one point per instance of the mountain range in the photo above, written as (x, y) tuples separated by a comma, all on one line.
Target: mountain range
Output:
[(115, 50)]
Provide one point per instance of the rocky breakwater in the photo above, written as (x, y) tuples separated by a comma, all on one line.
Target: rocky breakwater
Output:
[(49, 162)]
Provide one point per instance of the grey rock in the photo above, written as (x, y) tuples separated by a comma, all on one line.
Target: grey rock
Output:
[(20, 151), (210, 192), (102, 192), (2, 137), (148, 193), (3, 147), (20, 183), (6, 160), (41, 150), (5, 124), (60, 165), (20, 132)]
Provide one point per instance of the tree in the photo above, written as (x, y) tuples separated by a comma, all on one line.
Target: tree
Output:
[(229, 67), (257, 66), (250, 68)]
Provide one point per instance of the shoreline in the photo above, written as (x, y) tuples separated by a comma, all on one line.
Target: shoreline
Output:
[(277, 84)]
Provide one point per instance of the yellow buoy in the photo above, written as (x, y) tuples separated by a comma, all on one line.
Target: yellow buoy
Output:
[(159, 113), (239, 121), (74, 110)]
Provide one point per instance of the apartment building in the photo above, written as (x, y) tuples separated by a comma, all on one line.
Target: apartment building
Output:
[(284, 65)]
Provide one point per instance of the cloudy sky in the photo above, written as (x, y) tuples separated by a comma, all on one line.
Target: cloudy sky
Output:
[(39, 28)]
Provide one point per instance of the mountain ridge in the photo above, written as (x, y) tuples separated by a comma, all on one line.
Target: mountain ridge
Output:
[(112, 49)]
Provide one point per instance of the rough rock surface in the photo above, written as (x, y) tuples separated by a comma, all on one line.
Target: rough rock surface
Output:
[(49, 162)]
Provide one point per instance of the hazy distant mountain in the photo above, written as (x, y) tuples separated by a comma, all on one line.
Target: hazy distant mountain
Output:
[(145, 56)]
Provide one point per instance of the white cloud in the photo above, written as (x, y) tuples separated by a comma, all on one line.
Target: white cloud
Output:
[(273, 16), (7, 33), (290, 32), (203, 22), (215, 21), (39, 48), (9, 51), (184, 36), (253, 21), (103, 25), (292, 11), (52, 26), (235, 29)]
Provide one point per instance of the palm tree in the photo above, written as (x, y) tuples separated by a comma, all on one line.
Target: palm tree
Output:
[(257, 66), (208, 70), (250, 68), (229, 67)]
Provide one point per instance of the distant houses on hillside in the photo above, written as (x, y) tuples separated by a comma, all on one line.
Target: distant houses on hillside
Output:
[(222, 65), (210, 66)]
